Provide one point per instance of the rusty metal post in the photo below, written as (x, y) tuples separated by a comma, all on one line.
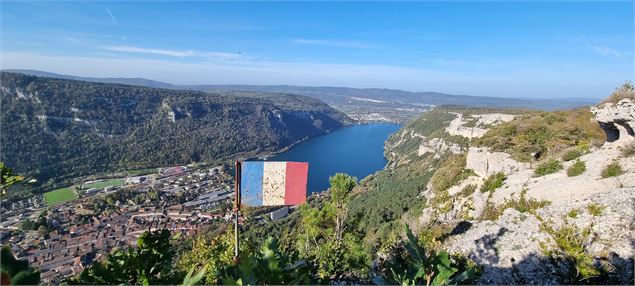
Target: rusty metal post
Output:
[(236, 209)]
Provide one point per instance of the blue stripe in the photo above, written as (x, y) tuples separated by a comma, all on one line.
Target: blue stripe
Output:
[(251, 183)]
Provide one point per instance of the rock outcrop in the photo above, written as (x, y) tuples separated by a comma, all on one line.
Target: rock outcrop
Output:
[(617, 120)]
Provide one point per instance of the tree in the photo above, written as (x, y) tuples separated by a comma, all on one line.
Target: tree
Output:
[(16, 272), (323, 238), (8, 179), (209, 254), (341, 185), (149, 263)]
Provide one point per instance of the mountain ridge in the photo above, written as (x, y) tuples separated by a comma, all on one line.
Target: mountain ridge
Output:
[(61, 128), (362, 104)]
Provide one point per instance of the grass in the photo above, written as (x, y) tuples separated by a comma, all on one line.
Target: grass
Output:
[(595, 209), (467, 190), (141, 172), (571, 154), (612, 170), (571, 248), (628, 151), (522, 204), (576, 169), (59, 196), (451, 172), (103, 184), (544, 134), (548, 167), (493, 182), (573, 213), (622, 92)]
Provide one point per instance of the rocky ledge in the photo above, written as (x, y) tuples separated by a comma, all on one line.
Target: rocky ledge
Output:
[(617, 120)]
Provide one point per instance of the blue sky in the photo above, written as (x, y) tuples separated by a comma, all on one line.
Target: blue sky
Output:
[(509, 49)]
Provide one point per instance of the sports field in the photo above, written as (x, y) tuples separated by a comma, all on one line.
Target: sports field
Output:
[(103, 184), (59, 196)]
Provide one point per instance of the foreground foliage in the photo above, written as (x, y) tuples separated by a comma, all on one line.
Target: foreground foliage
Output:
[(16, 272), (148, 263), (427, 268)]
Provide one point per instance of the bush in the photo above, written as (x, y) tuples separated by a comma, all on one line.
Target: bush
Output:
[(467, 190), (493, 182), (576, 168), (595, 209), (451, 172), (628, 151), (622, 92), (523, 205), (548, 167), (573, 213), (570, 250), (612, 170), (571, 154), (544, 134)]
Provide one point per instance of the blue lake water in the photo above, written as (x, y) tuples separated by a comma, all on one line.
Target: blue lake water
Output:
[(357, 150)]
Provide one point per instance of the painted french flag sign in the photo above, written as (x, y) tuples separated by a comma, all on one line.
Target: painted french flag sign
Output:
[(273, 183)]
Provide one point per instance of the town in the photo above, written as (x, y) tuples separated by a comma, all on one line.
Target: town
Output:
[(63, 239)]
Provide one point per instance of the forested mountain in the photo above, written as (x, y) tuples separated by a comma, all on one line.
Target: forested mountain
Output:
[(60, 129), (363, 104)]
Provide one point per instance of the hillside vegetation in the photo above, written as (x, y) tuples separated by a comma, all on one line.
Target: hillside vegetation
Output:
[(61, 129), (625, 91), (542, 134)]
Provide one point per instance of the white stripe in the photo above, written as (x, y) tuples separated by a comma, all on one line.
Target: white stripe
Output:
[(273, 183)]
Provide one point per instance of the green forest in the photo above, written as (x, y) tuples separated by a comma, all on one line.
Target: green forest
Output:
[(63, 129)]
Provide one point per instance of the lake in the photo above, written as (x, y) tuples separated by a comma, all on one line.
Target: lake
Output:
[(357, 150)]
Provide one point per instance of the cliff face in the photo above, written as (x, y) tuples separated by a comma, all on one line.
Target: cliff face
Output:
[(617, 120), (520, 230)]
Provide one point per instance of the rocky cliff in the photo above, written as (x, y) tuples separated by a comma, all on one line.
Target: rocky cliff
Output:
[(505, 195), (617, 121)]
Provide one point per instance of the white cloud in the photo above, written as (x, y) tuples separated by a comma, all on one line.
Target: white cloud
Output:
[(604, 50), (333, 43), (173, 53), (114, 21)]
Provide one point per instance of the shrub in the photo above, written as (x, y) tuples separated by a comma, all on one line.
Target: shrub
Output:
[(595, 209), (544, 134), (628, 151), (576, 168), (612, 170), (422, 267), (493, 182), (571, 154), (548, 167), (573, 213), (622, 92), (467, 190), (523, 205), (451, 172), (571, 248)]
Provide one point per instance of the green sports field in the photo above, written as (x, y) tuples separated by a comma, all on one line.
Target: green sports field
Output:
[(106, 183), (59, 196)]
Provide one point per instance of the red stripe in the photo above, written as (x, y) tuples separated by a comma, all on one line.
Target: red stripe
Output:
[(295, 183)]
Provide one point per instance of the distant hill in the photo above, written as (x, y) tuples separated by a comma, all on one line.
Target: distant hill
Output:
[(120, 80), (58, 129), (363, 104)]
